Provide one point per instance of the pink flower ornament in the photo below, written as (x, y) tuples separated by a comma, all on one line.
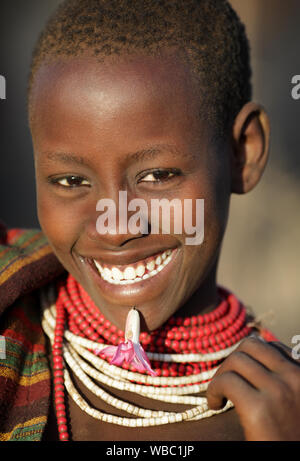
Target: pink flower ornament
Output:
[(130, 351)]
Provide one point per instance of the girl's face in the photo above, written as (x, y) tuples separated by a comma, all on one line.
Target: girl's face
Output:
[(102, 128)]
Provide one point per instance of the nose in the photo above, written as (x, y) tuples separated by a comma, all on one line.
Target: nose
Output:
[(118, 220)]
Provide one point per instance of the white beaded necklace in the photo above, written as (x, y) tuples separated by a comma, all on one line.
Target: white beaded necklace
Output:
[(75, 349)]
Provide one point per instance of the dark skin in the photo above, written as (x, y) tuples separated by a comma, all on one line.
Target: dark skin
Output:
[(86, 118)]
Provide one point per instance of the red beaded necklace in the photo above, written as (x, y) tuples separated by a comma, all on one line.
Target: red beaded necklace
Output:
[(223, 327)]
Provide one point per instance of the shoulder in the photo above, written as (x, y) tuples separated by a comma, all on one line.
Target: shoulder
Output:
[(26, 263)]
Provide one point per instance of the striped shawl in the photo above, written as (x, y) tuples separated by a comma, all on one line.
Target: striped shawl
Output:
[(26, 264)]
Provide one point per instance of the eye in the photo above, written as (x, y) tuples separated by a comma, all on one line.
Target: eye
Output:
[(159, 176), (70, 182)]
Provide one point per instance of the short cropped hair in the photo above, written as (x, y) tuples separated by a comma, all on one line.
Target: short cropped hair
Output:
[(209, 32)]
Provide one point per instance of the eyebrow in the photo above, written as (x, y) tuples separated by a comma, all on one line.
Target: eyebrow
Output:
[(140, 155), (65, 157)]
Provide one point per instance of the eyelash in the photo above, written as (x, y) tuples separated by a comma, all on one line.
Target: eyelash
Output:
[(174, 172), (56, 181)]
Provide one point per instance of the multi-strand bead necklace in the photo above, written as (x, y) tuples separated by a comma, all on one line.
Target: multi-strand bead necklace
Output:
[(185, 354)]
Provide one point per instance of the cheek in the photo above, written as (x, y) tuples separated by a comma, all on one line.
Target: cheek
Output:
[(60, 221), (215, 193)]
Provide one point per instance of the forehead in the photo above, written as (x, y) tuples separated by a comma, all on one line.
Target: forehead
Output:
[(138, 92)]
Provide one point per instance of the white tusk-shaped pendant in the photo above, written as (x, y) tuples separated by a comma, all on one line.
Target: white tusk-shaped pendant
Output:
[(132, 328)]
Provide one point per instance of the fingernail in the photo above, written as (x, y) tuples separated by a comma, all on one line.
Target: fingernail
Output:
[(257, 336)]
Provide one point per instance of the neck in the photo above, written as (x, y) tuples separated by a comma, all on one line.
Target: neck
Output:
[(204, 300)]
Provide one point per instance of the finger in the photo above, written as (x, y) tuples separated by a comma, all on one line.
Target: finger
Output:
[(248, 368), (286, 351), (230, 386), (265, 353)]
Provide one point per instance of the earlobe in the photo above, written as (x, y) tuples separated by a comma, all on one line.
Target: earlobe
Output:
[(250, 147)]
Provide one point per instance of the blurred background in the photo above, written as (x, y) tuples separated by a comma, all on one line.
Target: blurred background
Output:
[(261, 253)]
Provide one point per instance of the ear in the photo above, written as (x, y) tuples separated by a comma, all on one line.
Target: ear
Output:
[(250, 147)]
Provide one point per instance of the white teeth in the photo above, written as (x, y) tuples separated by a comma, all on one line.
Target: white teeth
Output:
[(107, 273), (127, 281), (168, 260), (158, 260), (99, 267), (140, 270), (117, 274), (131, 275), (150, 266)]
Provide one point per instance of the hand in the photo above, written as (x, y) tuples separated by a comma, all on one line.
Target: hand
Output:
[(263, 382)]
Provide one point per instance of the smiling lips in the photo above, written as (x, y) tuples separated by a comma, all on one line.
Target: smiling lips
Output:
[(134, 273)]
